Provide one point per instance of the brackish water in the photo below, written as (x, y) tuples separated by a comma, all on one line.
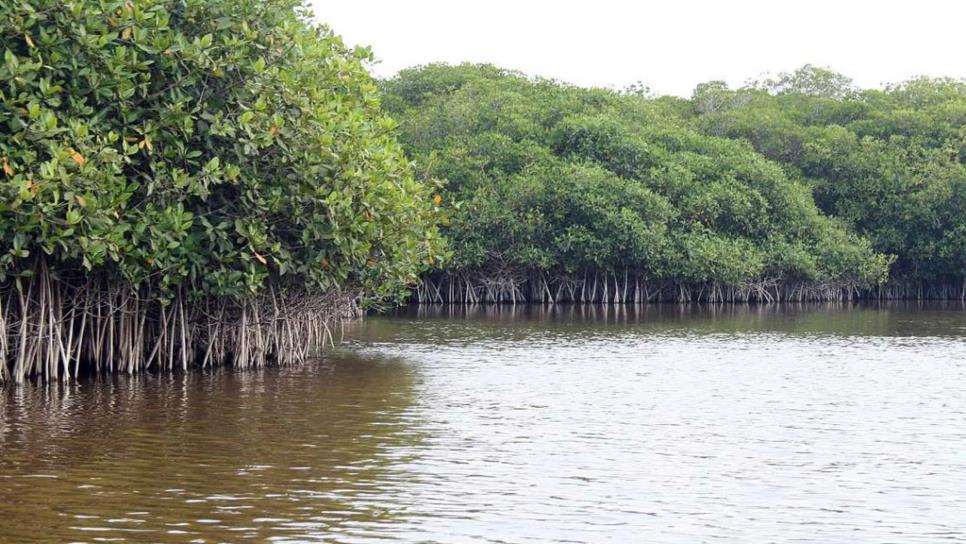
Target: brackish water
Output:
[(677, 424)]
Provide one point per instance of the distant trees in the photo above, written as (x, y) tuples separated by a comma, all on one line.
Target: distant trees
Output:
[(889, 163), (810, 80), (587, 194)]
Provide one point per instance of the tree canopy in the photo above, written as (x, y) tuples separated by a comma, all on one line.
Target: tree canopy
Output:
[(205, 143), (554, 179), (890, 163), (188, 181)]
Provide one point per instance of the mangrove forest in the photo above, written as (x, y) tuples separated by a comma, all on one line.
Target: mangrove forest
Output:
[(795, 188), (211, 182)]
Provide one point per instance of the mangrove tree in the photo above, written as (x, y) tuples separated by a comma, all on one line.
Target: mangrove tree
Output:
[(191, 182)]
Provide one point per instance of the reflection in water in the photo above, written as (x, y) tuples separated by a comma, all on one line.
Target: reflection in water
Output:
[(522, 424), (890, 318), (223, 455)]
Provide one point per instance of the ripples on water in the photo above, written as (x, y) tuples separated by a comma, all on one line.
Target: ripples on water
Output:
[(668, 424)]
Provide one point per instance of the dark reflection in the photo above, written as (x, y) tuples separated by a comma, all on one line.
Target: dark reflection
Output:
[(887, 318), (264, 453)]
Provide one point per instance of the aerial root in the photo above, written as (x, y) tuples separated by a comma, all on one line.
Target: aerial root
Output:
[(55, 328)]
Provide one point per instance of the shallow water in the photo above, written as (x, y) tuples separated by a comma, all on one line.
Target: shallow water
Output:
[(577, 424)]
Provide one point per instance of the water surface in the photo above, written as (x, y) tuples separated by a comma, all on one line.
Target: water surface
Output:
[(673, 424)]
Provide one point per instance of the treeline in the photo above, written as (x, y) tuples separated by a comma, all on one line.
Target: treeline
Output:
[(219, 181), (191, 183), (889, 163), (797, 188)]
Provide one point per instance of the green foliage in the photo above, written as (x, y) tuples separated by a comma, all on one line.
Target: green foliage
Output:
[(890, 163), (809, 80), (208, 145), (567, 180)]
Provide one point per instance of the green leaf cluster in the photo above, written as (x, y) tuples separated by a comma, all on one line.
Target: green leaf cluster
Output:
[(890, 163), (211, 146), (551, 177)]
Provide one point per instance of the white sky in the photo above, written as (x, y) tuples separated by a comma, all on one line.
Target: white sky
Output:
[(670, 45)]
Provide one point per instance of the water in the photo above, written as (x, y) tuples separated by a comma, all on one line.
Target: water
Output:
[(667, 424)]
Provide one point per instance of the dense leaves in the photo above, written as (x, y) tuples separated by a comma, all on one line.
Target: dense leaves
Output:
[(552, 178), (200, 145), (888, 162)]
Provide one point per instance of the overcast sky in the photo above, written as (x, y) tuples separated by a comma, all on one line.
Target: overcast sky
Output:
[(669, 45)]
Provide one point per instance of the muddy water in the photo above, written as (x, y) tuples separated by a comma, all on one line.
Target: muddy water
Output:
[(661, 424)]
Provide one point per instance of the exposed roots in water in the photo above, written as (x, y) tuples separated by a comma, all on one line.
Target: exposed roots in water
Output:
[(629, 288), (53, 328), (644, 313)]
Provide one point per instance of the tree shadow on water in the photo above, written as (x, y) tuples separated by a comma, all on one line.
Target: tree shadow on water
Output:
[(298, 452)]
